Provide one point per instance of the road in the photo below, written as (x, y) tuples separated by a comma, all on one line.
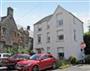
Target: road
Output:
[(72, 68), (76, 68)]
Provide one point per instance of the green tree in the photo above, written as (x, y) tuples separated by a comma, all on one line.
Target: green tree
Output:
[(87, 41)]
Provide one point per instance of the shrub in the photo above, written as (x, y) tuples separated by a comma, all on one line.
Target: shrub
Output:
[(87, 59), (72, 60)]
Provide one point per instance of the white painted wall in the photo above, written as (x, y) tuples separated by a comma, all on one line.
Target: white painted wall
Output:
[(70, 46)]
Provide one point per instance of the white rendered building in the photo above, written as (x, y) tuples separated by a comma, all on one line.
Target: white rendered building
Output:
[(60, 34)]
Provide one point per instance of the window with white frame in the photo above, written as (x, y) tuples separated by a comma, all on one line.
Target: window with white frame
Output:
[(74, 31), (59, 20), (39, 29), (39, 38), (48, 37), (60, 36), (60, 51), (48, 49)]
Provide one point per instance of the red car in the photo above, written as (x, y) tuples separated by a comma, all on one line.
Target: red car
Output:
[(37, 62), (12, 61)]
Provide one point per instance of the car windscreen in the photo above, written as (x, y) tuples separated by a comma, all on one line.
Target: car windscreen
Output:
[(35, 57), (21, 56)]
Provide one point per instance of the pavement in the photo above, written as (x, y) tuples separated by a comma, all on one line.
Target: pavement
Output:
[(76, 68), (79, 67)]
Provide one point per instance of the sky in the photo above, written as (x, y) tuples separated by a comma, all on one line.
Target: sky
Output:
[(28, 12)]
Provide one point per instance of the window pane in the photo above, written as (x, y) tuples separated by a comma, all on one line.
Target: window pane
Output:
[(74, 34), (59, 23), (48, 37), (39, 29), (60, 37), (39, 38)]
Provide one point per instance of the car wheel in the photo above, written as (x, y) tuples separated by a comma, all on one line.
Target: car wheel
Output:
[(35, 68), (54, 66), (10, 67)]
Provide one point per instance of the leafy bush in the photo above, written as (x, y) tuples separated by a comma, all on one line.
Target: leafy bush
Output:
[(72, 60), (87, 59), (23, 51), (62, 63)]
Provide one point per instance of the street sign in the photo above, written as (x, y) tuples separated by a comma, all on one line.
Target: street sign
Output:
[(82, 45)]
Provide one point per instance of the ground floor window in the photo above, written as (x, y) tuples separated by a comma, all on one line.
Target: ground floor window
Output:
[(40, 50), (60, 51), (61, 55), (48, 49)]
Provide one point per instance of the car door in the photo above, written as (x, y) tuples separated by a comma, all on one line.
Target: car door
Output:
[(43, 62), (50, 60)]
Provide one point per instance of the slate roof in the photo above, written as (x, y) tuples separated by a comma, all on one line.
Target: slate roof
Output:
[(2, 18), (47, 18)]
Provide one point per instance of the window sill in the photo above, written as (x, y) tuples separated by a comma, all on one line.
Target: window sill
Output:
[(60, 41)]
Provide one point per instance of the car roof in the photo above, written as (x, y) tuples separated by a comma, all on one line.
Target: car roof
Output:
[(42, 54), (6, 53), (23, 54)]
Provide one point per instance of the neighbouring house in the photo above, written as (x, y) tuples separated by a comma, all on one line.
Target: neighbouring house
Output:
[(60, 33), (25, 41), (11, 36)]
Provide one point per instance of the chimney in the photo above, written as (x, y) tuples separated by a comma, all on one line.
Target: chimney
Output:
[(28, 27), (10, 11)]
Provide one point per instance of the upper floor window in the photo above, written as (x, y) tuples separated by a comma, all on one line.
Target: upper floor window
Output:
[(74, 31), (39, 29), (59, 19), (60, 22), (60, 37), (48, 26), (48, 37), (39, 38)]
